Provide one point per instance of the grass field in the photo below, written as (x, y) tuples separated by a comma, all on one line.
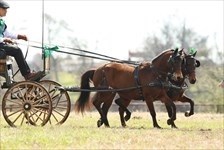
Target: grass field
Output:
[(200, 131)]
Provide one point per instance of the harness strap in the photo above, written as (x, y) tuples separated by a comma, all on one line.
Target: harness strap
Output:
[(137, 82)]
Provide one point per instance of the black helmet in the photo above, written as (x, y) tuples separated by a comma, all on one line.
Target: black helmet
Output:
[(4, 4)]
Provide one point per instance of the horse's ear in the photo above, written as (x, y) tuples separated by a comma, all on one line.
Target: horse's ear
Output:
[(194, 54), (182, 51), (175, 51), (197, 63)]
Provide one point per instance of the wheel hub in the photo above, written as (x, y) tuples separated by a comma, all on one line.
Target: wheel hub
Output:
[(27, 106)]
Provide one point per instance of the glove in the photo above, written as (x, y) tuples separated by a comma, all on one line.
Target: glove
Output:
[(8, 40), (22, 37)]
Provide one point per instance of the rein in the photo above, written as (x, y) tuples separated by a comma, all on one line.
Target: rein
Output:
[(101, 57)]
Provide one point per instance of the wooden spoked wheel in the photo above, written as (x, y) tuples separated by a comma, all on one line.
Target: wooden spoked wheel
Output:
[(60, 102), (26, 102)]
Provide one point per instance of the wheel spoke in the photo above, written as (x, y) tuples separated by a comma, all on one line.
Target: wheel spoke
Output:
[(22, 120), (14, 101), (15, 112), (17, 117), (60, 107), (58, 112), (53, 91), (34, 114)]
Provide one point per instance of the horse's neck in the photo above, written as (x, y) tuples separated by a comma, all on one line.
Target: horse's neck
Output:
[(160, 65)]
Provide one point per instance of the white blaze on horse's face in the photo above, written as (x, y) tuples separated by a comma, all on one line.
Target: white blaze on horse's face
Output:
[(191, 64)]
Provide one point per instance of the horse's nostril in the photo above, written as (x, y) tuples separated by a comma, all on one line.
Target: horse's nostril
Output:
[(192, 81), (178, 78)]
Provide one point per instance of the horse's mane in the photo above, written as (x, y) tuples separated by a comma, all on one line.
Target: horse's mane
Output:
[(160, 54)]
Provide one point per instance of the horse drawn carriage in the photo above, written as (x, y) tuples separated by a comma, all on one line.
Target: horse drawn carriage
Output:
[(37, 103)]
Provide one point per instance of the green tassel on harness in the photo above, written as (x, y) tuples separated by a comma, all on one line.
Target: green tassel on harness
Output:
[(192, 51), (48, 50)]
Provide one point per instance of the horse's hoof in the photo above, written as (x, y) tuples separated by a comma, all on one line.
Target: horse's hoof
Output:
[(169, 121), (124, 125), (174, 126), (107, 126), (187, 114), (99, 123), (157, 126), (127, 117)]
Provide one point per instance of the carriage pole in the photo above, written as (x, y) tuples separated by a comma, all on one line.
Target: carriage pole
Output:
[(46, 59)]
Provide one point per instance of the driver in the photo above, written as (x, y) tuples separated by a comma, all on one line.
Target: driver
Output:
[(10, 49)]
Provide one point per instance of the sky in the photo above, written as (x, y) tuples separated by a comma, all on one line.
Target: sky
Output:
[(115, 27)]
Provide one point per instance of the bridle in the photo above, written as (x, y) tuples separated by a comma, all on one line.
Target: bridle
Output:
[(190, 63), (174, 59)]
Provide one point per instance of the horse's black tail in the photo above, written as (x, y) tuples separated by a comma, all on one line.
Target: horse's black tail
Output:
[(83, 101)]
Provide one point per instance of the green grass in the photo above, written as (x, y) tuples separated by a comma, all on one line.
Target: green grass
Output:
[(200, 131)]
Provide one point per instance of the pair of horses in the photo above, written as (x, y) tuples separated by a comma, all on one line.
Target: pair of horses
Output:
[(188, 70), (150, 80)]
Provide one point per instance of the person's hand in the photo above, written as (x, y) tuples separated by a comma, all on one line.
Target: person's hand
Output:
[(22, 37), (8, 40)]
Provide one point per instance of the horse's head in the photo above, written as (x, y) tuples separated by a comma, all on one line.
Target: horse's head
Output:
[(189, 66), (175, 63)]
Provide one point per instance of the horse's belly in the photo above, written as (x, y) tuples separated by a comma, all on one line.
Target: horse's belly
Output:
[(130, 95)]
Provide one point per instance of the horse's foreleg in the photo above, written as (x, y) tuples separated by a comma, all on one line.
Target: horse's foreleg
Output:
[(123, 107), (172, 118), (121, 111), (169, 111), (153, 113), (186, 99), (107, 102), (105, 108)]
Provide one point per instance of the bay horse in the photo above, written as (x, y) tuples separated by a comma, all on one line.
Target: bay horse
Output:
[(188, 70), (116, 75)]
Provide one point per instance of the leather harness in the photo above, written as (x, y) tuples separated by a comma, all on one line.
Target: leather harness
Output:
[(137, 82)]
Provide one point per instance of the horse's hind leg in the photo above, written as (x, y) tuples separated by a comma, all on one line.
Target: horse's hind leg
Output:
[(105, 98), (123, 107), (108, 99), (97, 103)]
